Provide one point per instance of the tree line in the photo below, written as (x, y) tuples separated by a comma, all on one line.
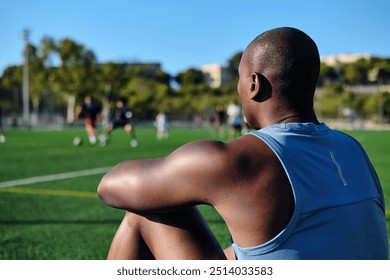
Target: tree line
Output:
[(339, 97), (64, 70)]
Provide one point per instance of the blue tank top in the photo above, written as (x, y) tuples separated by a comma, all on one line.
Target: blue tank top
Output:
[(339, 204)]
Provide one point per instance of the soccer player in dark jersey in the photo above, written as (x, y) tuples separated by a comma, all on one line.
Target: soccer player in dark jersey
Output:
[(90, 111), (120, 117)]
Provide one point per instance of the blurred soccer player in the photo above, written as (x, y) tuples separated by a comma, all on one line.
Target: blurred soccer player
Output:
[(291, 189), (218, 120), (90, 111), (162, 126), (120, 117), (234, 114)]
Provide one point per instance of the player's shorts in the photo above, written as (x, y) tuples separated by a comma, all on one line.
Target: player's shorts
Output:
[(119, 123), (90, 122)]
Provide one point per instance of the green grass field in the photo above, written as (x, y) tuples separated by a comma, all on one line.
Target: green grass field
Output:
[(64, 219)]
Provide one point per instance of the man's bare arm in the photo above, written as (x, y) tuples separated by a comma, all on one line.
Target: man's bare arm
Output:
[(190, 175)]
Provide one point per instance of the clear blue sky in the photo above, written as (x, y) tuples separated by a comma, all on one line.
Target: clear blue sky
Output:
[(188, 33)]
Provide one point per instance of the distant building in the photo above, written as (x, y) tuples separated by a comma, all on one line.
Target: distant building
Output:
[(215, 75), (336, 60)]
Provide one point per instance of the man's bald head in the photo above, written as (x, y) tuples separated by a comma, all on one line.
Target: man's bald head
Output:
[(288, 59)]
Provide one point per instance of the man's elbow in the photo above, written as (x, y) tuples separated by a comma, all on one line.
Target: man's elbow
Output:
[(106, 193), (121, 187)]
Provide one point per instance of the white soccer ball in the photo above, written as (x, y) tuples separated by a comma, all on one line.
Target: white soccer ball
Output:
[(133, 143), (77, 141), (129, 114)]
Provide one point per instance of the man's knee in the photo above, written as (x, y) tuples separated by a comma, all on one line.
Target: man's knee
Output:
[(128, 127), (133, 220)]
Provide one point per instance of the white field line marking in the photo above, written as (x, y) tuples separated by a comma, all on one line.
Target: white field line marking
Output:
[(54, 177)]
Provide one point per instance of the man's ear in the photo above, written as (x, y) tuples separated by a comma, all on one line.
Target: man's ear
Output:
[(255, 85)]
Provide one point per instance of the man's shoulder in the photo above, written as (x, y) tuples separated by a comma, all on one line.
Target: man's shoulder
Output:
[(232, 152), (204, 147), (237, 144)]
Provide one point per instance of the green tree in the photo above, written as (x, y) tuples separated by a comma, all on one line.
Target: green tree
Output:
[(146, 97), (11, 89), (111, 79), (190, 77), (378, 106), (327, 74), (357, 72), (232, 65), (328, 103), (382, 67), (77, 72)]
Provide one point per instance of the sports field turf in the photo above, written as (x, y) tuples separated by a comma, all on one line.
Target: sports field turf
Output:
[(54, 218)]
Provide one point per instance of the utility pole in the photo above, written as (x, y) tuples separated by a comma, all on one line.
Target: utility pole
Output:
[(26, 106)]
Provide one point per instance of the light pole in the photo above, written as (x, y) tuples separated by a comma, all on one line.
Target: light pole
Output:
[(26, 107)]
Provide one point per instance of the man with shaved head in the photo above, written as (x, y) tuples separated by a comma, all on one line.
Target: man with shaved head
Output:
[(291, 189)]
